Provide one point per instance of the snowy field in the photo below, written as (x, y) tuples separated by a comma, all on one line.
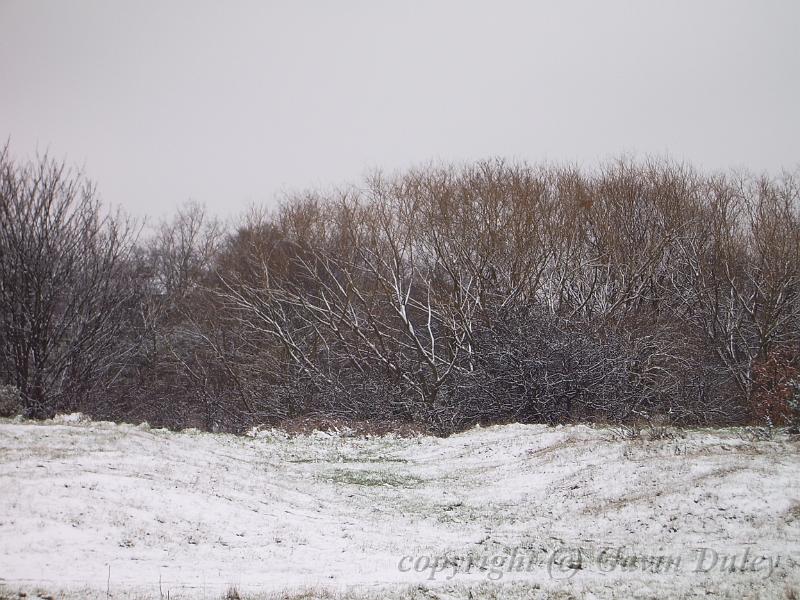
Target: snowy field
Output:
[(96, 510)]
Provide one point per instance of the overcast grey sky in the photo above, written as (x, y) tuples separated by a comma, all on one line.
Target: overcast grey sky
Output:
[(230, 103)]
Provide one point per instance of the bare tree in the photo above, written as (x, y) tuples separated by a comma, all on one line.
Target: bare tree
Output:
[(64, 285)]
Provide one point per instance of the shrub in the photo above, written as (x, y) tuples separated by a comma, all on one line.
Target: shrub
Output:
[(776, 394), (10, 401)]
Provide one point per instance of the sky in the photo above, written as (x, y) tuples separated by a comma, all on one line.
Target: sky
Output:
[(237, 103)]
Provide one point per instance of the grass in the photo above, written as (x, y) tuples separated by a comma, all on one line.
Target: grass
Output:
[(372, 478), (348, 459), (488, 591)]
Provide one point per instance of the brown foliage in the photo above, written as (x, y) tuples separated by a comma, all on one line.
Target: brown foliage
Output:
[(776, 381)]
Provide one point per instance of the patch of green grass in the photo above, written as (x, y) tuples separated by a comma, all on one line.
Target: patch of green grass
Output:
[(372, 459), (372, 478), (349, 459)]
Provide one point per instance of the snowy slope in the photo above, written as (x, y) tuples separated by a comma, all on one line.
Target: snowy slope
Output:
[(92, 509)]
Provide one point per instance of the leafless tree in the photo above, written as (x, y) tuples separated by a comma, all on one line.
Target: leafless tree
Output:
[(64, 285)]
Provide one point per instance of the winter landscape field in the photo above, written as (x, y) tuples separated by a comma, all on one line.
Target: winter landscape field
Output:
[(397, 300), (98, 510)]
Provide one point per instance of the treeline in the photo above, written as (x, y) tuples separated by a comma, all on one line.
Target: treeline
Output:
[(443, 296)]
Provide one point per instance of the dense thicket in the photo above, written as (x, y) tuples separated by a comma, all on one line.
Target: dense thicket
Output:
[(444, 296)]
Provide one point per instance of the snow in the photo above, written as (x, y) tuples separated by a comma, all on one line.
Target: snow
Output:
[(92, 509)]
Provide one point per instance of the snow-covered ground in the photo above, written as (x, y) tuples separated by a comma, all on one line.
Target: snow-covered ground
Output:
[(91, 510)]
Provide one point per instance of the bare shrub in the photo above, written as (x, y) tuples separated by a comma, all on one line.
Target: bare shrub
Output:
[(776, 396), (10, 401)]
